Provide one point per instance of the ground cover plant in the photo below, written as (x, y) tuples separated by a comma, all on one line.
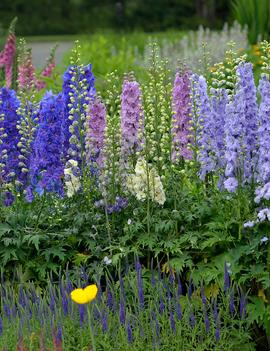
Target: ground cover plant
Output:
[(170, 169)]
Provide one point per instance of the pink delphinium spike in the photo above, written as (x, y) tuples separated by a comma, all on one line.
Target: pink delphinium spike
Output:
[(181, 117), (131, 118), (26, 72), (95, 135), (7, 56)]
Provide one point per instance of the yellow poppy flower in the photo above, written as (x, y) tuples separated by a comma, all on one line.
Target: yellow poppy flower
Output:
[(83, 296)]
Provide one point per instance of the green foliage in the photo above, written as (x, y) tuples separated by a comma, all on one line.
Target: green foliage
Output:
[(256, 15)]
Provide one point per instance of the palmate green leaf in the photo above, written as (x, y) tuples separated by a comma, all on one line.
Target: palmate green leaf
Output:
[(54, 252), (215, 238), (4, 228), (33, 239), (9, 254), (256, 309), (179, 263)]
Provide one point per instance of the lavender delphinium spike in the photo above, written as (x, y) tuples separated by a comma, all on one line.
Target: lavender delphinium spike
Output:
[(249, 99), (131, 119), (218, 101), (203, 296), (178, 310), (104, 321), (192, 320), (263, 169), (205, 132), (217, 330), (206, 322), (95, 131), (241, 131), (82, 314), (181, 123), (1, 325)]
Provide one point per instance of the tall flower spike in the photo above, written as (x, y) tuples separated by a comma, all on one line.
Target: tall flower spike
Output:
[(95, 132), (241, 130), (9, 136), (205, 133), (26, 71), (181, 120), (131, 119), (46, 167), (8, 54), (263, 169), (78, 91)]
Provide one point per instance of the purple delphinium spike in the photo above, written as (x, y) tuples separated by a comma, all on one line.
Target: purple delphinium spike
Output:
[(206, 322), (138, 268), (181, 122), (104, 321), (59, 334), (161, 305), (203, 296), (157, 328), (171, 276), (110, 297), (46, 166), (129, 332), (131, 118), (249, 99), (192, 320), (178, 310), (95, 131), (217, 330), (263, 168), (227, 279), (82, 314), (218, 101), (231, 303), (215, 310), (205, 132), (242, 306), (172, 321), (122, 312), (241, 130), (64, 300), (7, 311)]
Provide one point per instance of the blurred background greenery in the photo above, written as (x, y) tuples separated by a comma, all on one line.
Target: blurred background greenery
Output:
[(47, 17)]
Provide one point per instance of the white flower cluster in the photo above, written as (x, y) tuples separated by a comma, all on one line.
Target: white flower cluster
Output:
[(72, 178), (146, 181)]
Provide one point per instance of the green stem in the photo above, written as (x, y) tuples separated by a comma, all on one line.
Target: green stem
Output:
[(91, 329)]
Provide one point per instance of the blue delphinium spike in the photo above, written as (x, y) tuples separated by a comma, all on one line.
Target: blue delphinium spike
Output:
[(231, 303), (129, 332), (179, 311), (172, 321)]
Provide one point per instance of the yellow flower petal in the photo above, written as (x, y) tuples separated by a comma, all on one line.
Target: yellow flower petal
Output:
[(91, 292), (83, 296)]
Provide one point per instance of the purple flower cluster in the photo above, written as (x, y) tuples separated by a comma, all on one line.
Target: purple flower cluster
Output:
[(131, 118), (95, 131), (263, 169), (46, 167), (205, 132), (119, 204), (241, 130), (181, 123)]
